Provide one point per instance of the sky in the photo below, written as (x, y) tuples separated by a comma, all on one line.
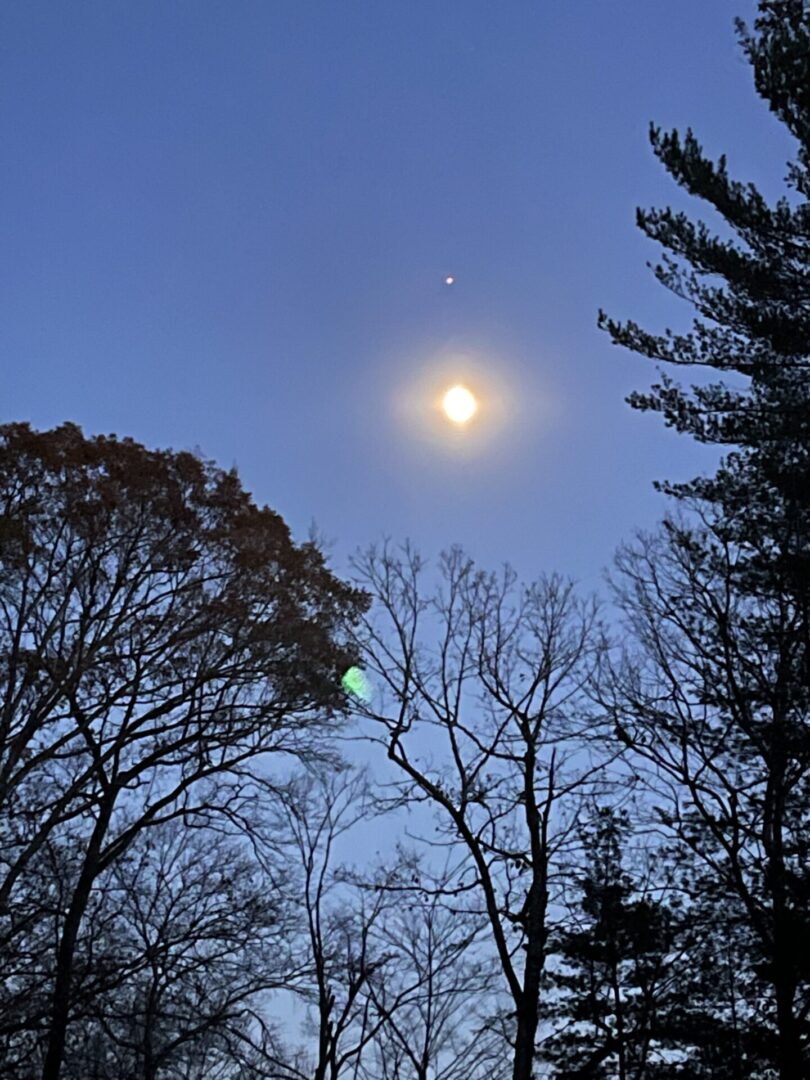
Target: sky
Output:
[(226, 226)]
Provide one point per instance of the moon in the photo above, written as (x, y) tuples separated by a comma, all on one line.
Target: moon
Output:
[(459, 404)]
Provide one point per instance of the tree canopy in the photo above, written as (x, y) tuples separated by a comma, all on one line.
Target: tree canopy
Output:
[(159, 632)]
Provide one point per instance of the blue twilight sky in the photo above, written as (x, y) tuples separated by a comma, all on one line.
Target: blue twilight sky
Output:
[(225, 224)]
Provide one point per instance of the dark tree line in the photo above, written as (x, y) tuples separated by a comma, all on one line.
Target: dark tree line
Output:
[(580, 848)]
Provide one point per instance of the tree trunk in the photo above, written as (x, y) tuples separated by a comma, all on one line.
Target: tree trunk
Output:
[(619, 1010), (528, 1009), (60, 1008), (524, 1045), (149, 1063), (784, 977), (790, 1063)]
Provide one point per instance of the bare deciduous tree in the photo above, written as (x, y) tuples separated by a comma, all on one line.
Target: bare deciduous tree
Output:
[(481, 709), (197, 935), (436, 992), (709, 695), (344, 954)]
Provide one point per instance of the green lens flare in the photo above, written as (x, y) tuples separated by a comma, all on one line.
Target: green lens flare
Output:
[(354, 682)]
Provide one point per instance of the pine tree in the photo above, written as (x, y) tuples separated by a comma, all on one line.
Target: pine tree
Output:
[(720, 604), (751, 292), (609, 964), (650, 974), (643, 986)]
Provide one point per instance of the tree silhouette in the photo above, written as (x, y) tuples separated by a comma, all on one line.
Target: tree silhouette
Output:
[(718, 693), (481, 709), (159, 633)]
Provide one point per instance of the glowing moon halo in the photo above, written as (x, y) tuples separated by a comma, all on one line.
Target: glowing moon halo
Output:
[(459, 404)]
